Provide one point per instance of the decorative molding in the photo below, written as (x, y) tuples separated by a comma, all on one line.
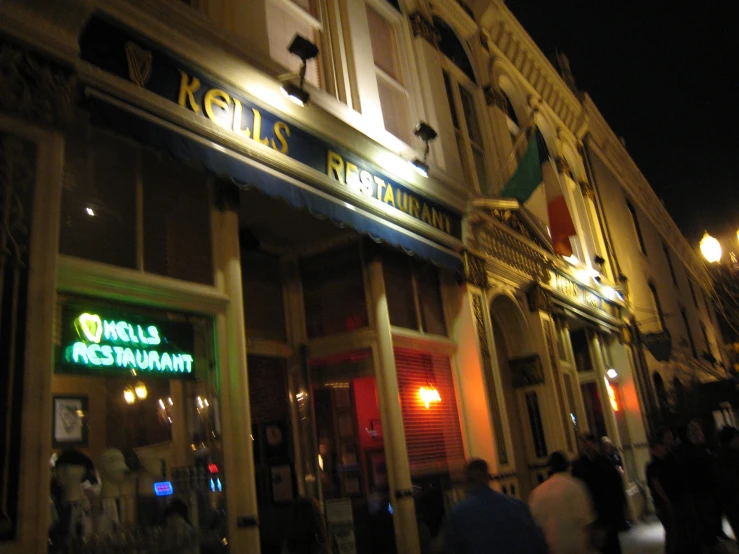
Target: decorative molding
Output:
[(563, 166), (495, 98), (513, 220), (626, 337), (538, 299), (550, 346), (423, 28), (526, 371), (485, 41), (487, 366), (587, 190), (474, 270), (34, 89)]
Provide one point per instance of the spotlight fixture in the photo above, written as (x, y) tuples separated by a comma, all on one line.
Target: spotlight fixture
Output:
[(305, 50), (599, 260), (427, 134)]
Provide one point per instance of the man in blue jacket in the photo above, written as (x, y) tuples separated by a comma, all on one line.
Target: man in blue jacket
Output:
[(489, 522)]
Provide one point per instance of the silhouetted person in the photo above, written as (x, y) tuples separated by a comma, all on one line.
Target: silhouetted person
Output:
[(606, 489), (662, 482), (562, 508), (180, 537), (727, 475), (488, 521)]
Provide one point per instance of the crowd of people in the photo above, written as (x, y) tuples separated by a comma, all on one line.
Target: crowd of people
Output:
[(693, 487)]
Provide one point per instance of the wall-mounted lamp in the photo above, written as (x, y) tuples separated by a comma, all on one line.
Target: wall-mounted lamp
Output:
[(427, 134), (599, 260), (305, 50), (612, 374), (428, 395)]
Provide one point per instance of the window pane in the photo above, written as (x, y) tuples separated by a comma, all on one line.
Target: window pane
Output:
[(333, 291), (394, 110), (282, 26), (470, 116), (429, 298), (450, 99), (177, 240), (482, 178), (396, 269), (263, 308), (581, 350), (536, 425), (384, 46), (99, 198)]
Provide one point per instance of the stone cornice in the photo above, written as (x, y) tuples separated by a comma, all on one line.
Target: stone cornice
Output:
[(604, 141), (514, 43)]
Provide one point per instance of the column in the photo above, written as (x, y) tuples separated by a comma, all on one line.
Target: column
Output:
[(241, 491), (399, 475)]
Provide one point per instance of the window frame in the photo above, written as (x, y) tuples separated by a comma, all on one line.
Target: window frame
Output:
[(457, 79), (688, 330), (394, 19), (635, 225), (666, 250), (657, 305)]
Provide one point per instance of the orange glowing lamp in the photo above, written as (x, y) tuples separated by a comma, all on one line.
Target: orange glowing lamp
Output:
[(429, 395), (612, 396)]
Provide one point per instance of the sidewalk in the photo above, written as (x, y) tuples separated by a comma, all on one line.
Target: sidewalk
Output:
[(648, 537)]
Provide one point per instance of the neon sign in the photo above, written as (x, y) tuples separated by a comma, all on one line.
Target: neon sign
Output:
[(163, 488), (106, 341)]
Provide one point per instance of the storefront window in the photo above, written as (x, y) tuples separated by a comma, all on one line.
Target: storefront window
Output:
[(127, 206), (594, 409), (263, 305), (333, 292), (581, 350), (136, 431)]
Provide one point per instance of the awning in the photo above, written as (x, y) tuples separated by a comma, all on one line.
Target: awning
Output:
[(190, 148)]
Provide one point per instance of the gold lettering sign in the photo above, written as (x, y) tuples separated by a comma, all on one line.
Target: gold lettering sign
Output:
[(363, 182), (565, 286), (228, 113)]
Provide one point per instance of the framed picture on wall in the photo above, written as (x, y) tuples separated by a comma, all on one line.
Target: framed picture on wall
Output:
[(282, 483), (276, 441), (70, 421)]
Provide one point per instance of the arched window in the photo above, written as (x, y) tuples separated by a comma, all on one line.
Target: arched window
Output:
[(452, 48), (462, 95), (656, 305), (659, 389), (637, 229)]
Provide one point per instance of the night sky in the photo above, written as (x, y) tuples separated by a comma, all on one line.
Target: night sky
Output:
[(667, 80)]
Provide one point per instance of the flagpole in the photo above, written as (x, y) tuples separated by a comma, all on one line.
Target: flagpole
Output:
[(512, 156)]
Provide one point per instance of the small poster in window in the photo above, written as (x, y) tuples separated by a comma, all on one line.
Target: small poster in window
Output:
[(70, 427), (282, 484), (275, 440)]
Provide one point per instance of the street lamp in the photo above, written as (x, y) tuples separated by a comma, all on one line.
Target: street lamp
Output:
[(710, 248)]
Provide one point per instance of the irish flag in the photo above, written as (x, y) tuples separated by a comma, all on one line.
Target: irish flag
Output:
[(534, 169)]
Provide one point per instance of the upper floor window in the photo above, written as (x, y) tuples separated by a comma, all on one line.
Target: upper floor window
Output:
[(388, 68), (705, 338), (657, 306), (684, 315), (285, 19), (669, 263), (514, 127), (637, 229), (692, 292), (467, 131)]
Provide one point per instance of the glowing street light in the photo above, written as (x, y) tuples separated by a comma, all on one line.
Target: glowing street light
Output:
[(710, 248)]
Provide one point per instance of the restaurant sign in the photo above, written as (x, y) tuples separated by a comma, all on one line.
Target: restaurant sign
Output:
[(97, 340), (121, 52), (582, 295)]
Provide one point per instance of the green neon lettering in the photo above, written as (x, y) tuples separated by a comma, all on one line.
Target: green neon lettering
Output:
[(154, 335), (166, 361), (154, 360), (79, 351), (177, 363), (92, 354), (109, 331), (119, 356), (142, 359), (107, 352), (141, 334), (188, 362), (129, 359), (132, 335), (122, 329)]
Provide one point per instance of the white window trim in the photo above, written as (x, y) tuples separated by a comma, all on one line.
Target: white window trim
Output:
[(389, 79), (300, 13)]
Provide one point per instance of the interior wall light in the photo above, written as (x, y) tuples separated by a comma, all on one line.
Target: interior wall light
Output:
[(599, 260), (427, 134), (305, 50)]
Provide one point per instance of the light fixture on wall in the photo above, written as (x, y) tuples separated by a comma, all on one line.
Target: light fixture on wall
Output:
[(305, 50), (428, 395), (599, 261), (612, 374), (427, 134)]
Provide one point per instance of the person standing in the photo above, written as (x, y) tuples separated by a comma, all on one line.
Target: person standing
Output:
[(727, 475), (661, 479), (562, 508), (488, 521), (606, 489)]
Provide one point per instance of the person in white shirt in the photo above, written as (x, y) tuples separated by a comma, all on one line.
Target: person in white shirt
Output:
[(562, 508)]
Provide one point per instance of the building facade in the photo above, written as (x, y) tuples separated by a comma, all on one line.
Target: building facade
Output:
[(217, 295)]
